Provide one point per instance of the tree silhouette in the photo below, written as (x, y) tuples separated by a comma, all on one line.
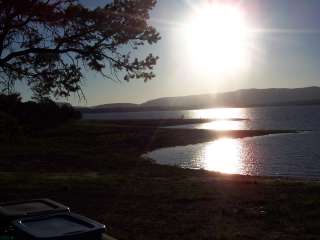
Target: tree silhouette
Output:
[(48, 44)]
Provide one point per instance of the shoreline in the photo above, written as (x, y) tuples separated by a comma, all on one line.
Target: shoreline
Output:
[(96, 169)]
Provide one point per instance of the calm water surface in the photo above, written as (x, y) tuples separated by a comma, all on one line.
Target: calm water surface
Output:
[(295, 117), (291, 155)]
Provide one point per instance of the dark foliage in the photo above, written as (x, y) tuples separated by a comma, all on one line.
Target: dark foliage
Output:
[(49, 44), (32, 115)]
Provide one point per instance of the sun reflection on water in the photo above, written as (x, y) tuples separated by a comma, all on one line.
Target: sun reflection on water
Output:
[(221, 113), (223, 125), (223, 155)]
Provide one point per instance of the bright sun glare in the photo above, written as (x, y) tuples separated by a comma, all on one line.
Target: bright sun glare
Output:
[(223, 155), (218, 38)]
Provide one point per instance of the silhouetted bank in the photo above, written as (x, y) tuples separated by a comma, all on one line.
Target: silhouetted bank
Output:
[(33, 115), (97, 168)]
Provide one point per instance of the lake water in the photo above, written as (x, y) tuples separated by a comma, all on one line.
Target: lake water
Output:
[(300, 117), (290, 155)]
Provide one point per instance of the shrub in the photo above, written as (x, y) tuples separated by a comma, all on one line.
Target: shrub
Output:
[(41, 115), (10, 129)]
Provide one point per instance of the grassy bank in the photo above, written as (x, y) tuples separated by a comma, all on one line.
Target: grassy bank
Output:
[(96, 168)]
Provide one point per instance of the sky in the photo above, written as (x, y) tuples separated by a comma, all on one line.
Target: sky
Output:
[(285, 54)]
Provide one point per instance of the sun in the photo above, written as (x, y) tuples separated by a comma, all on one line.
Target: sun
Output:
[(218, 38)]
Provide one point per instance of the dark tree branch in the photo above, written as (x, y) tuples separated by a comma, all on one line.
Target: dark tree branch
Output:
[(45, 42)]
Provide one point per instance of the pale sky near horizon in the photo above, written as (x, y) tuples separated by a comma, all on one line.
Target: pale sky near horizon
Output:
[(286, 54)]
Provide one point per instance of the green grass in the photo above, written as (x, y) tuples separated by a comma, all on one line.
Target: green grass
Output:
[(97, 169)]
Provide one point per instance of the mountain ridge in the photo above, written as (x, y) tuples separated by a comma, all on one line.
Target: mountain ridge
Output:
[(239, 98)]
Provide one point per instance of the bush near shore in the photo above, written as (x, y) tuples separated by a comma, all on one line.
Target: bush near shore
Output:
[(16, 115)]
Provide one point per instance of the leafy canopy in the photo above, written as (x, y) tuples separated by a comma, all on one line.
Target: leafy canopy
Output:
[(49, 44)]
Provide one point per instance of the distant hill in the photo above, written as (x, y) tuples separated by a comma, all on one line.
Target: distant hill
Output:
[(116, 105), (60, 104), (239, 98)]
